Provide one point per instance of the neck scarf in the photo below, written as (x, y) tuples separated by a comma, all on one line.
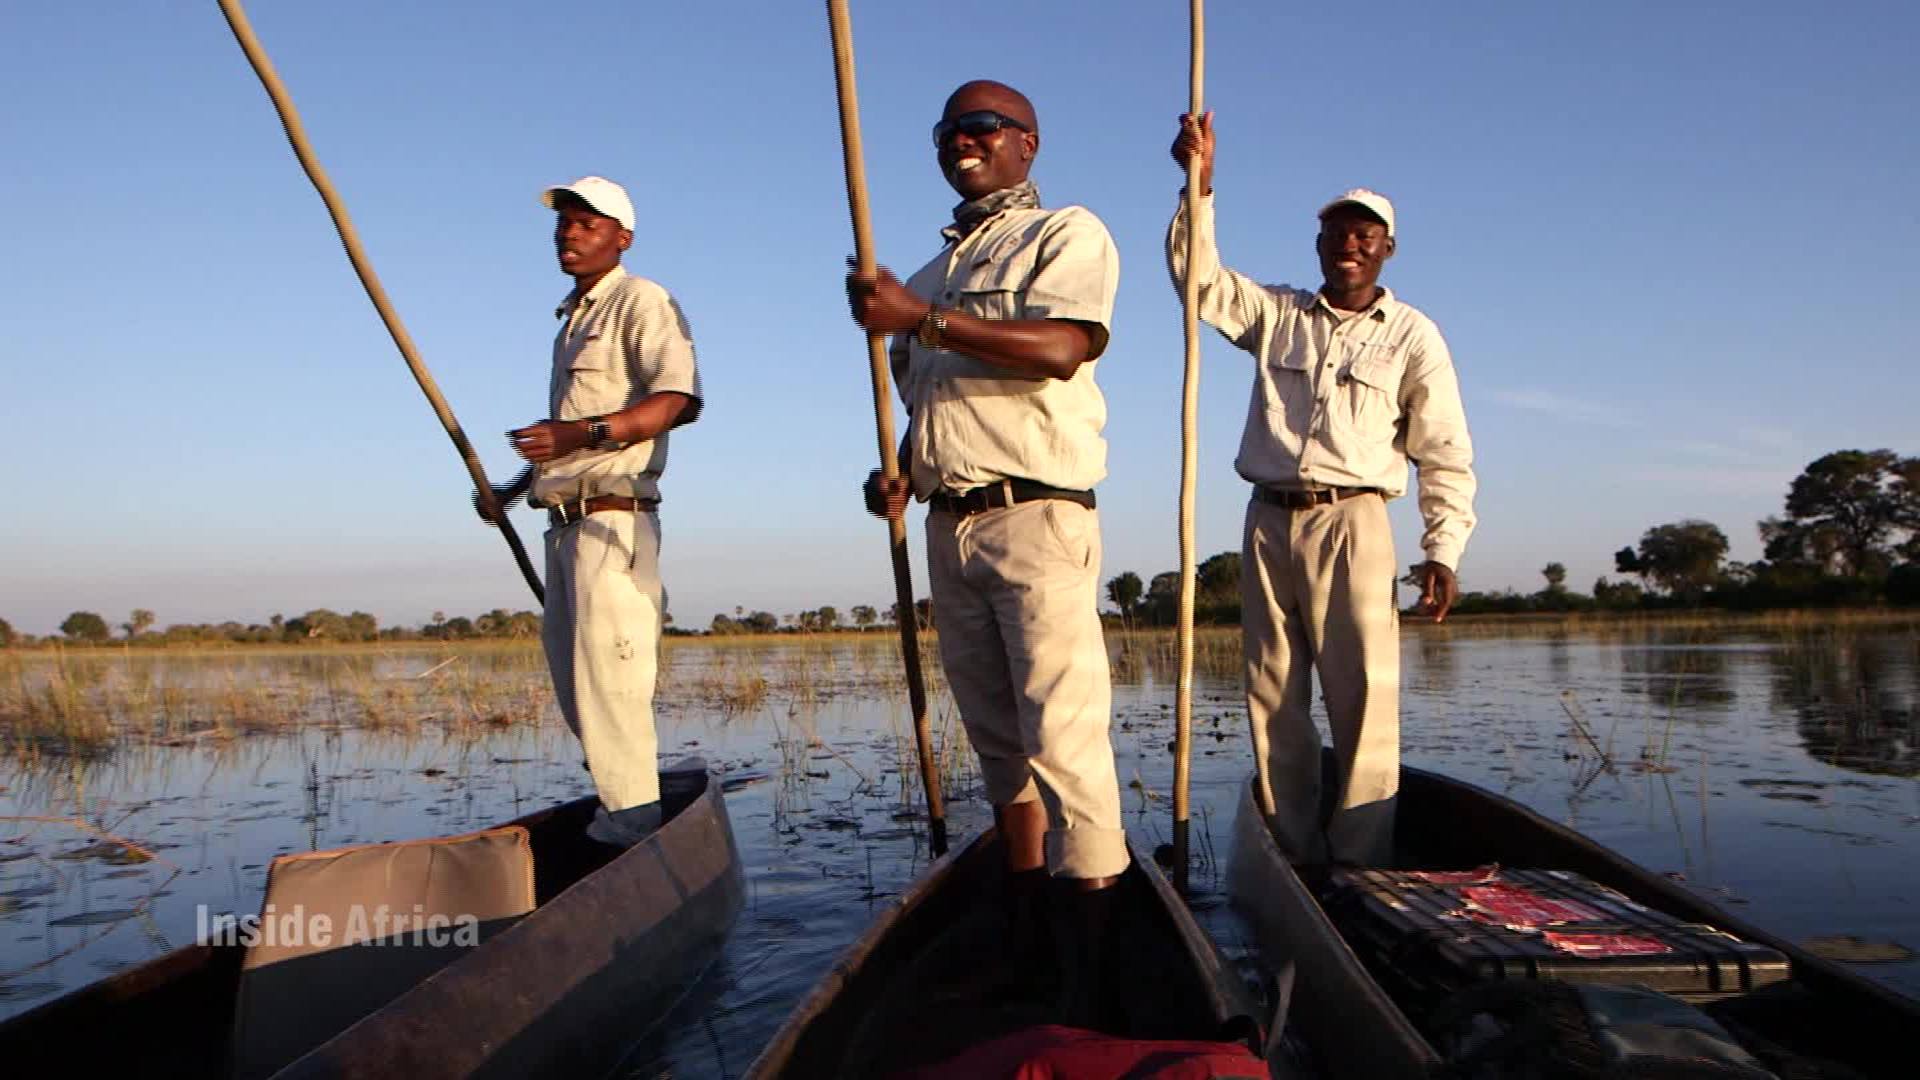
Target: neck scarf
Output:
[(968, 216)]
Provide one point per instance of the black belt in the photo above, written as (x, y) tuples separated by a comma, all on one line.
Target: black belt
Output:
[(568, 513), (1005, 493), (1303, 498)]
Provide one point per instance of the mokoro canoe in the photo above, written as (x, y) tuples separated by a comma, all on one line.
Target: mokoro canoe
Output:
[(930, 977), (616, 938), (1353, 1026)]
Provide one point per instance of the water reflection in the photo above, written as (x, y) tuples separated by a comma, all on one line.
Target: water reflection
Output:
[(1677, 674), (1854, 698)]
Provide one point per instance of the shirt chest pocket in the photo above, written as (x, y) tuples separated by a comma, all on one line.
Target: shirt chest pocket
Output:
[(596, 379), (995, 286), (1368, 397)]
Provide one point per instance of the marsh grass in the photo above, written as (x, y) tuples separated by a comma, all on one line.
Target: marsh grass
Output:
[(58, 703)]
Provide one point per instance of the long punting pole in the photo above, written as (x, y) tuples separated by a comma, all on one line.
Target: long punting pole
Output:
[(297, 135), (883, 421), (1189, 465)]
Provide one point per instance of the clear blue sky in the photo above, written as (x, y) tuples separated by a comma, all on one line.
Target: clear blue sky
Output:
[(1670, 245)]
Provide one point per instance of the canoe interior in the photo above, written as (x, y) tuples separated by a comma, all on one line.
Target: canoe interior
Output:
[(172, 1016), (1824, 1012), (931, 977)]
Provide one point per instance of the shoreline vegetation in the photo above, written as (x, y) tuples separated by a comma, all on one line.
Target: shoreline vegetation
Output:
[(1117, 627), (59, 702)]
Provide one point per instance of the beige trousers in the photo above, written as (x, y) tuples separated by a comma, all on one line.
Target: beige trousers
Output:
[(602, 635), (1317, 591), (1015, 599)]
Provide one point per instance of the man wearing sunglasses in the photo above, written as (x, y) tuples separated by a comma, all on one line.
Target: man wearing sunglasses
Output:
[(1351, 385), (993, 349)]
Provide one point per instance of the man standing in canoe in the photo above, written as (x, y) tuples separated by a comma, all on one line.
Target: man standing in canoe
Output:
[(623, 376), (993, 350), (1351, 385)]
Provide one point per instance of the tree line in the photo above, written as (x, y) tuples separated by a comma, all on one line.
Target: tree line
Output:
[(316, 626), (1848, 535)]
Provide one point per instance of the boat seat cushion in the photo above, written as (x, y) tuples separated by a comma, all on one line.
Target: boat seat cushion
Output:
[(344, 932)]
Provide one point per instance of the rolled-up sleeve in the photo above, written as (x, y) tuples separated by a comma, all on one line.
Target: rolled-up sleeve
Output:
[(660, 346), (1076, 275), (1436, 441), (1240, 308)]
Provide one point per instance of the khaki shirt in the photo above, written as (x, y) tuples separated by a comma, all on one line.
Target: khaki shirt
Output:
[(1340, 401), (975, 424), (622, 341)]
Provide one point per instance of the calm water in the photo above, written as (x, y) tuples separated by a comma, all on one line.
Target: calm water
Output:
[(1773, 771)]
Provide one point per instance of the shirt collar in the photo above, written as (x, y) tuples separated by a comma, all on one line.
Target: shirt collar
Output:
[(1377, 311), (599, 289)]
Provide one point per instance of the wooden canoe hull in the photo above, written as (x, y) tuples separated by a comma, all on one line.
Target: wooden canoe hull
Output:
[(1356, 1028), (1351, 1024), (568, 989), (809, 1043)]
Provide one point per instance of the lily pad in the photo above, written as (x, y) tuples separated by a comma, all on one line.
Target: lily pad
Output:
[(1849, 949), (106, 851), (95, 918), (26, 991)]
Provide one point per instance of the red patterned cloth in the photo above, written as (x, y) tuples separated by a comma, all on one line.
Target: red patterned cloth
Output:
[(1052, 1052)]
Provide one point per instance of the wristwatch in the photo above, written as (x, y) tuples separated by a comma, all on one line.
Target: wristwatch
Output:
[(932, 333), (599, 432)]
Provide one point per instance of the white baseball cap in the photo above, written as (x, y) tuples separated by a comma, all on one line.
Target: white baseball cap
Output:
[(1371, 201), (603, 195)]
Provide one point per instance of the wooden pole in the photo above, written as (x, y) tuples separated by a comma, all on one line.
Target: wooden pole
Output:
[(296, 134), (1189, 465), (883, 420)]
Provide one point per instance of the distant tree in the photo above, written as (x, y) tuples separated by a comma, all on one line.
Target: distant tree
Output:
[(1850, 512), (923, 613), (763, 622), (1683, 557), (319, 623), (864, 615), (1125, 591), (1556, 575), (827, 617), (1218, 578), (85, 626), (722, 625), (1621, 597), (137, 622), (459, 627), (1162, 603), (6, 634), (360, 626)]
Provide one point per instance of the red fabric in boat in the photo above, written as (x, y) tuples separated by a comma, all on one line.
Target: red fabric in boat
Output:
[(1052, 1052)]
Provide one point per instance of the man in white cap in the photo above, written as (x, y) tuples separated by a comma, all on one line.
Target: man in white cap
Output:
[(623, 376), (1351, 386)]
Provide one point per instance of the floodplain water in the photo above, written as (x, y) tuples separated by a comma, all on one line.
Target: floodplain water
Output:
[(1772, 766)]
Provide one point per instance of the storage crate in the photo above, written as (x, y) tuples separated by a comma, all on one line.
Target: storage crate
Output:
[(1436, 933)]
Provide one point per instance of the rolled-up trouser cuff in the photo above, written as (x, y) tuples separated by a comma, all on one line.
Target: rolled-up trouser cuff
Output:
[(1087, 852)]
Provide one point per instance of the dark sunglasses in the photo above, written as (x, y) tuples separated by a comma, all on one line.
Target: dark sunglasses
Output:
[(977, 123)]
